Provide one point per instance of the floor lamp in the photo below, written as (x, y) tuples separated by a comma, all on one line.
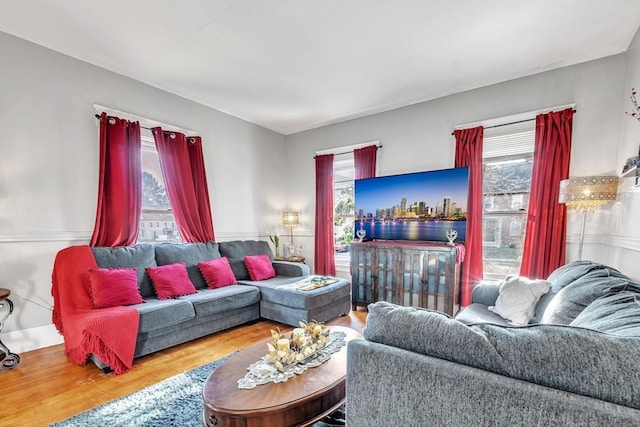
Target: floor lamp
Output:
[(586, 194)]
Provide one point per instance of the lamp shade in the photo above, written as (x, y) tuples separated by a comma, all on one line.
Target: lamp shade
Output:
[(588, 193), (290, 219)]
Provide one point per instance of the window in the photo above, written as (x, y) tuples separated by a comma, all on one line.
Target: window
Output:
[(507, 163), (155, 203), (343, 202)]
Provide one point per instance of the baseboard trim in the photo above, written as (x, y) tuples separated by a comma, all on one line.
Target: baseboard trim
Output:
[(32, 338)]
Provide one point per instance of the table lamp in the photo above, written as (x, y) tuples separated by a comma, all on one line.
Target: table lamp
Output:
[(290, 219)]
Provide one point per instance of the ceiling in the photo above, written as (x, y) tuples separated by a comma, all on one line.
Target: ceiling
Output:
[(293, 65)]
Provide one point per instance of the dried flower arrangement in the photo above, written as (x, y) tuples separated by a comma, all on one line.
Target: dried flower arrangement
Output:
[(297, 347), (635, 113)]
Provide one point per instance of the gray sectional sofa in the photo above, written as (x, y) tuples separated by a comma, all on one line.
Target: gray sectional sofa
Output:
[(168, 322), (576, 364)]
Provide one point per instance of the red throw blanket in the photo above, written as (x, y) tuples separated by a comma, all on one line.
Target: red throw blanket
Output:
[(109, 333)]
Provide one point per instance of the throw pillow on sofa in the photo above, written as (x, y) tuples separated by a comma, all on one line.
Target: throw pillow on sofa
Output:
[(517, 299), (217, 273), (111, 287), (171, 280), (260, 267)]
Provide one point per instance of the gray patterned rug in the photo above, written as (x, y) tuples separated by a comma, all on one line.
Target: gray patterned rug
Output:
[(176, 401)]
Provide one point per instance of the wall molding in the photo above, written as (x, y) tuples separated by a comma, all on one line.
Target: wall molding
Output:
[(45, 236), (624, 242), (85, 236)]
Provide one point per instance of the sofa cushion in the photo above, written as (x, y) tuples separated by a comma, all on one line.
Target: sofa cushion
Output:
[(517, 299), (259, 267), (569, 302), (479, 313), (616, 313), (217, 272), (138, 256), (171, 280), (236, 250), (564, 276), (212, 301), (111, 287), (158, 314), (582, 361), (190, 254)]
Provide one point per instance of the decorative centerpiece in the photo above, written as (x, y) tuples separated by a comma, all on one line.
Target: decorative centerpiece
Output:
[(301, 345), (308, 346)]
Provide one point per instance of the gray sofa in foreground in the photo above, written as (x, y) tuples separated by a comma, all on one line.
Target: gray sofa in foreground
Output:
[(168, 322), (576, 364)]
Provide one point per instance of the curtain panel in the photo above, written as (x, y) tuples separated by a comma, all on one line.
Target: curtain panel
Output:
[(364, 160), (469, 153), (545, 236), (324, 262), (182, 164), (119, 183)]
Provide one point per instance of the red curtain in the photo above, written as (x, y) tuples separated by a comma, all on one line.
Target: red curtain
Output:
[(469, 153), (364, 160), (545, 235), (119, 183), (184, 175), (324, 263)]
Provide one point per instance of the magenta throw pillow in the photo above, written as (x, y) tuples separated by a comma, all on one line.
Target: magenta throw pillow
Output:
[(217, 272), (260, 267), (111, 287), (171, 280)]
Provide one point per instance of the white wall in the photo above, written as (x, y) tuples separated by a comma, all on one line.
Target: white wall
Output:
[(48, 169), (419, 137)]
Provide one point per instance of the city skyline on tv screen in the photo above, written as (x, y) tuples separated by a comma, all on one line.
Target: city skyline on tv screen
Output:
[(413, 206), (431, 187)]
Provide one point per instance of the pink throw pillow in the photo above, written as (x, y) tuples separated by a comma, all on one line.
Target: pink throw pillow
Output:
[(260, 267), (171, 280), (111, 287), (217, 273)]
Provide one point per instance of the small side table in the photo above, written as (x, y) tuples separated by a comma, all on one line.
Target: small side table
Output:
[(290, 259), (8, 360)]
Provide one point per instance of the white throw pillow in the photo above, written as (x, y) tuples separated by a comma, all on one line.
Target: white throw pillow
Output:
[(518, 297)]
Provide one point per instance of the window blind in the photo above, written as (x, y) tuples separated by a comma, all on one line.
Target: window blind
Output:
[(510, 145)]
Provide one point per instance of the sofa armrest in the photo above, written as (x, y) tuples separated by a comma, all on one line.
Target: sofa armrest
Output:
[(485, 293), (391, 386), (291, 269)]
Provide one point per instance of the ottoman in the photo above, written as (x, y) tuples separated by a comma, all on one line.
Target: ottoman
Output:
[(294, 299)]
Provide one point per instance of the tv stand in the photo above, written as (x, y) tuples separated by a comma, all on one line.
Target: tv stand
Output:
[(420, 274)]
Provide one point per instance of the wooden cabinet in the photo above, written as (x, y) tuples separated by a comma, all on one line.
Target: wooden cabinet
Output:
[(409, 274)]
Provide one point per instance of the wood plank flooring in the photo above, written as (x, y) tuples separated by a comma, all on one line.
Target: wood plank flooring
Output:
[(46, 387)]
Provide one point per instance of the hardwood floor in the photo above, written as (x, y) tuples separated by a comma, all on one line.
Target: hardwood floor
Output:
[(46, 387)]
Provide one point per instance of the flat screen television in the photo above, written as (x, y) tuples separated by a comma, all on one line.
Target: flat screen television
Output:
[(419, 206)]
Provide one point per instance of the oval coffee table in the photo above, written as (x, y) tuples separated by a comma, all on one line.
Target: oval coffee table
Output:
[(301, 400)]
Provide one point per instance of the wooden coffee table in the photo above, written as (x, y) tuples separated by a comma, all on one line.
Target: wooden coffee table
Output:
[(302, 400)]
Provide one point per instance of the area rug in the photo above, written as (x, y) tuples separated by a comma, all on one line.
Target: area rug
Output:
[(176, 401)]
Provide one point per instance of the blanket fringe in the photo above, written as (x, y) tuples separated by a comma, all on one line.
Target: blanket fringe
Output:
[(93, 344), (56, 318)]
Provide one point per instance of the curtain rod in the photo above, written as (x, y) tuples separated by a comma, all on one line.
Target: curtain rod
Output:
[(143, 127), (511, 123), (345, 152)]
